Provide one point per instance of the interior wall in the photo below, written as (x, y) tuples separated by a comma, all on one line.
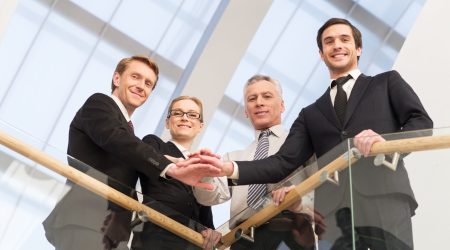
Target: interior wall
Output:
[(424, 63)]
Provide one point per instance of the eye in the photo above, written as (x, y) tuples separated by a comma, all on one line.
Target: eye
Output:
[(193, 115), (148, 84), (177, 113)]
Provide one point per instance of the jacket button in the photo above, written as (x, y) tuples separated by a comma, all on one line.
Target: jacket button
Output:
[(344, 133)]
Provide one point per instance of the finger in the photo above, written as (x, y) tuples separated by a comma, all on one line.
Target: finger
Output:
[(276, 197)]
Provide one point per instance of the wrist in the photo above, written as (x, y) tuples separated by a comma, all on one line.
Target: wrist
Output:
[(229, 168)]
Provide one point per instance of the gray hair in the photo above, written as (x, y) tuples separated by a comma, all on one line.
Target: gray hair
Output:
[(257, 78)]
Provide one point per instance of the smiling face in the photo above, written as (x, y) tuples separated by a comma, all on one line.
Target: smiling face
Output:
[(263, 104), (134, 85), (184, 129), (339, 51)]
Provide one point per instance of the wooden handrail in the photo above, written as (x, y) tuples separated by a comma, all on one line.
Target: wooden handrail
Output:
[(100, 188), (339, 164)]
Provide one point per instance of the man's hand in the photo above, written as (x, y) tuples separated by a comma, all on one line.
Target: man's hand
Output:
[(211, 238), (278, 197), (192, 171), (364, 141), (204, 152), (225, 168)]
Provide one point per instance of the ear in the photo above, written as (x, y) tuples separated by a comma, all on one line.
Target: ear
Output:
[(246, 113), (358, 51), (282, 106), (321, 54), (116, 79), (167, 123)]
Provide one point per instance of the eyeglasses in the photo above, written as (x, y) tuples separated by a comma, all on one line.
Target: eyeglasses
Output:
[(179, 113)]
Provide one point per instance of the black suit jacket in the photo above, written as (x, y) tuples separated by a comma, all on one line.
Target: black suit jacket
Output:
[(170, 192), (100, 136), (384, 103)]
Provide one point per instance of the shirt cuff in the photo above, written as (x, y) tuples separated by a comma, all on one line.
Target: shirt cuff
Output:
[(163, 173), (235, 175)]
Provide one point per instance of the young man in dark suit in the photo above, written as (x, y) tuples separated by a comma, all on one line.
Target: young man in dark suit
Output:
[(385, 103), (102, 136), (184, 122)]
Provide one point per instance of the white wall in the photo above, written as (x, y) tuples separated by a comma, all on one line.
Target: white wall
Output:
[(424, 62)]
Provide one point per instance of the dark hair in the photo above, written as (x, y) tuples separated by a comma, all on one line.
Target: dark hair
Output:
[(122, 66), (333, 21)]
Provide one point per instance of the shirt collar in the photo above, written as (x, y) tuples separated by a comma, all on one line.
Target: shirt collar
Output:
[(354, 73), (276, 130), (182, 149), (121, 107)]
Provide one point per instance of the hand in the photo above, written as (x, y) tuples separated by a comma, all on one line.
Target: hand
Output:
[(278, 197), (192, 171), (204, 152), (225, 168), (211, 238), (116, 228), (364, 141), (173, 159)]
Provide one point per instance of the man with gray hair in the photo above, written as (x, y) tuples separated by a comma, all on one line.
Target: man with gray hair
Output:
[(263, 106)]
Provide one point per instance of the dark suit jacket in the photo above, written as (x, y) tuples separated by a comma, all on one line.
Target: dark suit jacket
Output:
[(384, 103), (100, 137), (170, 192)]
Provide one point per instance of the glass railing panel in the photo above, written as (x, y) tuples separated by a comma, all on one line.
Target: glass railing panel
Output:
[(305, 227), (402, 205), (40, 208)]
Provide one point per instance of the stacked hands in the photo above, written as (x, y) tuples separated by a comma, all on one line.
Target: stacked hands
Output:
[(205, 163)]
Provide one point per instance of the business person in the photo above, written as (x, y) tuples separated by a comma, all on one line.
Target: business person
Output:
[(264, 106), (373, 105), (101, 136), (184, 122)]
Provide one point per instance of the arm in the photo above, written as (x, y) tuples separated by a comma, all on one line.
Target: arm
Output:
[(101, 120), (218, 195), (294, 152), (406, 105), (221, 192)]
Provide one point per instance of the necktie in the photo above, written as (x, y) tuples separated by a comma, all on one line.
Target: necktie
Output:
[(340, 101), (130, 124), (256, 191)]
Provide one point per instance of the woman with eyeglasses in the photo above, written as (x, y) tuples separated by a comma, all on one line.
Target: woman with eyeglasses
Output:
[(173, 198)]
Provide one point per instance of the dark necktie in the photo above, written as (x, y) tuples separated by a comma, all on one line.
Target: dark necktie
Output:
[(340, 101), (130, 124), (256, 191)]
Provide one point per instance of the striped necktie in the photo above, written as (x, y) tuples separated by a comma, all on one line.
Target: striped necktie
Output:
[(256, 191)]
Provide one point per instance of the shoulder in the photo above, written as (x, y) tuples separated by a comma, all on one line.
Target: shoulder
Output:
[(99, 99), (388, 75), (153, 140)]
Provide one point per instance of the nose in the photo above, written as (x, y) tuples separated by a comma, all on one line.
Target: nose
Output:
[(259, 101), (184, 117)]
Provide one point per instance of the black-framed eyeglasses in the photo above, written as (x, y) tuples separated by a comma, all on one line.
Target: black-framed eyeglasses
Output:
[(179, 113)]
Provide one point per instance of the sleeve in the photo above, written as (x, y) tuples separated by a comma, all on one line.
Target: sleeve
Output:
[(220, 194), (294, 152), (108, 131), (406, 104)]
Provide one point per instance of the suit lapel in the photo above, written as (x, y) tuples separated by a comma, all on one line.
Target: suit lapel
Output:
[(326, 108), (358, 91)]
